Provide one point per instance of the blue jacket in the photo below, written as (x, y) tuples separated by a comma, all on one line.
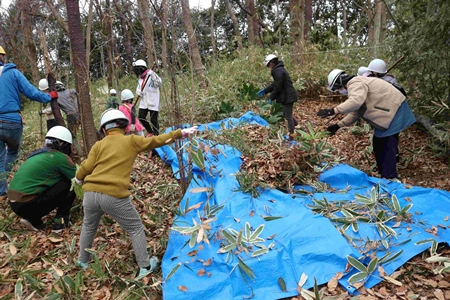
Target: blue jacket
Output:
[(12, 83)]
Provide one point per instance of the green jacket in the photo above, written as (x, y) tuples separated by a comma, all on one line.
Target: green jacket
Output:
[(38, 173), (112, 102)]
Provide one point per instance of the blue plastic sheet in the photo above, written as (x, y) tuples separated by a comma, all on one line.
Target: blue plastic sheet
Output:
[(300, 241)]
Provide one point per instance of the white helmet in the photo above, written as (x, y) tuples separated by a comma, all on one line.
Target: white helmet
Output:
[(140, 62), (59, 83), (126, 95), (112, 91), (361, 71), (60, 133), (110, 115), (269, 58), (43, 84), (378, 66), (332, 77)]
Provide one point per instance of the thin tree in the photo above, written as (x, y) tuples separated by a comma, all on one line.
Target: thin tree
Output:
[(144, 14), (30, 46), (297, 16), (193, 45), (213, 37), (80, 70), (237, 32)]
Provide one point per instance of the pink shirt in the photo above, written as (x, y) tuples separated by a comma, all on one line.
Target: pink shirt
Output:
[(126, 108)]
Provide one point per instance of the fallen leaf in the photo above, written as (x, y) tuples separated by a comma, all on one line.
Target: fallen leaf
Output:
[(381, 271), (252, 213), (192, 253), (12, 249), (58, 271), (55, 240), (397, 224), (182, 288), (208, 262), (439, 294), (446, 219), (392, 280), (332, 284), (408, 199), (201, 272), (237, 220)]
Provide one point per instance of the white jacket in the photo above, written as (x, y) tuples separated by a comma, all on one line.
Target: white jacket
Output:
[(150, 92)]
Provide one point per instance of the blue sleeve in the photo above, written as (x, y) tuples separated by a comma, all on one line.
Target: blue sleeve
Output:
[(31, 92)]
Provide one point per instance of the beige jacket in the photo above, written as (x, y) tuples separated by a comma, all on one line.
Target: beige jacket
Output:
[(370, 98)]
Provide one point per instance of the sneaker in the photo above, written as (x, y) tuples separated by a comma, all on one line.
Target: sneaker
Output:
[(59, 224), (30, 226), (154, 263), (82, 265)]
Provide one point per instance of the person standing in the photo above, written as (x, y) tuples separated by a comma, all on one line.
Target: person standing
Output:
[(281, 90), (12, 84), (112, 101), (134, 126), (43, 182), (105, 176), (148, 89), (377, 68), (68, 102), (47, 111), (380, 104)]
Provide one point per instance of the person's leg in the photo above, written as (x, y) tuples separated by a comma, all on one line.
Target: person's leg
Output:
[(154, 122), (10, 138), (390, 157), (143, 118), (378, 146), (287, 114), (92, 215), (124, 212)]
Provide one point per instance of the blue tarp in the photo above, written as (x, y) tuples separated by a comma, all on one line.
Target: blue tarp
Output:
[(300, 241)]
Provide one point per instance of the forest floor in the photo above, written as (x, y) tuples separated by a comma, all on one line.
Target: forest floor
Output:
[(156, 194)]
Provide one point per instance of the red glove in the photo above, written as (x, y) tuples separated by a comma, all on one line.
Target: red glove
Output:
[(53, 95)]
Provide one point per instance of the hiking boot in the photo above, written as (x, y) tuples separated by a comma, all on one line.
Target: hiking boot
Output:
[(31, 226), (59, 224), (154, 263)]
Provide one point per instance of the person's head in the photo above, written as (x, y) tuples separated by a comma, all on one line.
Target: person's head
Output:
[(112, 92), (43, 85), (2, 55), (59, 86), (270, 60), (362, 71), (59, 138), (337, 81), (113, 118), (127, 96), (139, 67), (377, 67)]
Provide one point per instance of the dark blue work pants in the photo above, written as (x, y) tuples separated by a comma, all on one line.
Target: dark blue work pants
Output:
[(386, 151)]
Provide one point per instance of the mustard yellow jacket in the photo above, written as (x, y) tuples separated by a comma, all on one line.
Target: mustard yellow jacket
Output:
[(110, 162), (370, 98)]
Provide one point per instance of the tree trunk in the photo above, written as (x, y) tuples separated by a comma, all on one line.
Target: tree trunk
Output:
[(296, 12), (193, 45), (308, 19), (344, 23), (237, 32), (80, 70), (164, 18), (379, 25), (122, 12), (88, 36), (213, 37), (370, 23), (57, 15), (30, 47), (144, 14), (112, 78), (250, 30)]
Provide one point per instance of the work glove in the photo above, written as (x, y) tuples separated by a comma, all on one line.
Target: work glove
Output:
[(270, 101), (132, 127), (188, 131), (80, 182), (261, 93), (40, 113), (332, 129), (53, 95), (325, 112)]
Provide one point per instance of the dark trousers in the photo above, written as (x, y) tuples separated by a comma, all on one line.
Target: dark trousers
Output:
[(57, 197), (386, 151), (153, 126), (287, 114)]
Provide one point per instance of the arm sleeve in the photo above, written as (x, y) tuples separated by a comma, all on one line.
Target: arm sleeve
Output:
[(157, 81), (357, 95), (87, 166), (67, 167), (141, 143), (26, 88), (276, 85), (138, 88)]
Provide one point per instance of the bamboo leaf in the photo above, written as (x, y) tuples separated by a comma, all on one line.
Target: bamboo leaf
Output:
[(228, 236), (316, 290), (173, 271), (373, 263), (257, 232), (424, 242), (346, 213), (355, 226), (245, 268), (406, 208), (357, 277), (396, 204), (199, 190), (386, 260), (260, 252), (192, 240), (282, 284), (271, 218), (356, 263), (247, 231), (433, 248), (18, 289), (363, 199), (227, 248)]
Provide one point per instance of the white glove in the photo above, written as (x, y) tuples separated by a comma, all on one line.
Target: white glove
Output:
[(133, 127), (188, 131), (78, 181)]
